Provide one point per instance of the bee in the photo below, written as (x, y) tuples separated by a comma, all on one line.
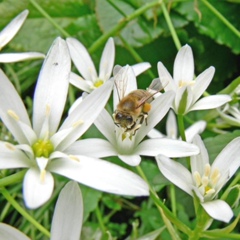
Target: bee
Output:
[(132, 110)]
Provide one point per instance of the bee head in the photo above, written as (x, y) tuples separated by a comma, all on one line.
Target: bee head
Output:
[(123, 119)]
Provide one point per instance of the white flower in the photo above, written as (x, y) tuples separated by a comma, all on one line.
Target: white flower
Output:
[(205, 180), (172, 131), (6, 36), (42, 145), (129, 149), (188, 90), (67, 217), (84, 64)]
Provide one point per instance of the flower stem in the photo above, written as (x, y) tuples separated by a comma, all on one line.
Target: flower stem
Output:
[(173, 199), (122, 23), (221, 17), (100, 220), (181, 127), (170, 26), (180, 225), (23, 212), (45, 14), (12, 179)]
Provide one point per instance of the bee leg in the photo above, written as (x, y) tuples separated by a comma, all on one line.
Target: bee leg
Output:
[(143, 117)]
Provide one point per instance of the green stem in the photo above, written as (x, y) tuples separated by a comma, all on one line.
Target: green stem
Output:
[(45, 14), (135, 55), (22, 211), (221, 17), (12, 179), (122, 23), (180, 225), (14, 77), (170, 26), (181, 127), (100, 220), (173, 199)]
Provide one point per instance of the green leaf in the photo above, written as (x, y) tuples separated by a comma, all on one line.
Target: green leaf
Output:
[(137, 33), (209, 24), (216, 144)]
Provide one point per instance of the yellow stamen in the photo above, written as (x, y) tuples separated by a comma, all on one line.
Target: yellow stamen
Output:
[(207, 170), (72, 157), (42, 176), (10, 146), (186, 83), (77, 123), (12, 114), (98, 83), (198, 178)]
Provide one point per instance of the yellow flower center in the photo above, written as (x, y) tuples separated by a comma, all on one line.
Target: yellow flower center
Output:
[(207, 182), (98, 83), (185, 83), (42, 148)]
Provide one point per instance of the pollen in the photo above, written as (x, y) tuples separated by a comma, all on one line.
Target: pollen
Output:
[(12, 114), (42, 148), (146, 107), (98, 83)]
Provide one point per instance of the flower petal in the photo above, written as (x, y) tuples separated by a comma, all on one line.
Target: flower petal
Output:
[(219, 210), (52, 87), (228, 162), (17, 57), (154, 133), (101, 175), (8, 232), (12, 28), (81, 59), (37, 191), (107, 60), (79, 82), (183, 65), (106, 126), (176, 173), (201, 83), (210, 102), (132, 160), (165, 78), (92, 147), (85, 113), (12, 157), (167, 147), (140, 67), (171, 125), (11, 101), (197, 128), (159, 108), (68, 214), (199, 161)]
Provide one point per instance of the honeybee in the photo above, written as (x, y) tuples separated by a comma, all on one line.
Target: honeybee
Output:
[(132, 110)]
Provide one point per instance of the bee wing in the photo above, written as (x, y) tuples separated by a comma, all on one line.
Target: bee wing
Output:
[(156, 85)]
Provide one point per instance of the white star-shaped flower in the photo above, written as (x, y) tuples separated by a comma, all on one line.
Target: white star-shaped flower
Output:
[(7, 34), (205, 180), (129, 149), (188, 90), (42, 144)]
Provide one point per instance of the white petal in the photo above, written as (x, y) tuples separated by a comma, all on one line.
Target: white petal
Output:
[(197, 128), (68, 214), (12, 157), (176, 173), (210, 102), (79, 82), (18, 57), (228, 162), (154, 133), (183, 65), (219, 210), (107, 60), (166, 79), (10, 100), (140, 68), (132, 160), (159, 108), (92, 147), (106, 126), (171, 125), (12, 28), (87, 111), (199, 161), (201, 83), (101, 175), (167, 147), (52, 87), (37, 191), (82, 59), (8, 232)]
